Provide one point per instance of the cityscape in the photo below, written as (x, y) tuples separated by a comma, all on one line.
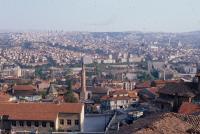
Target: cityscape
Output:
[(63, 81)]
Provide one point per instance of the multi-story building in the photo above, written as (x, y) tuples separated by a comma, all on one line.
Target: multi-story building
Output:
[(16, 72), (118, 99), (41, 117)]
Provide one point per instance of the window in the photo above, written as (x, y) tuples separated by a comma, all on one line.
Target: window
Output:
[(61, 121), (162, 106), (69, 122), (52, 124), (21, 123), (28, 123), (44, 124), (13, 123), (37, 124), (76, 122)]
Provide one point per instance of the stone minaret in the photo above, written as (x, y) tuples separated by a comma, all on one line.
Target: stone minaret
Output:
[(83, 94)]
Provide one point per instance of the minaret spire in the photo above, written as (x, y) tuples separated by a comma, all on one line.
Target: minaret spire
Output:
[(83, 95)]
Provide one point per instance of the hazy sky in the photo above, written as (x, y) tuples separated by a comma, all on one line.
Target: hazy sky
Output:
[(100, 15)]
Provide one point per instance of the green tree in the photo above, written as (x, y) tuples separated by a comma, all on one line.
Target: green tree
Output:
[(155, 73), (69, 95), (97, 69), (38, 71), (143, 76)]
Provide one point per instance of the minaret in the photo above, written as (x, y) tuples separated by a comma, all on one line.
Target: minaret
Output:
[(83, 95)]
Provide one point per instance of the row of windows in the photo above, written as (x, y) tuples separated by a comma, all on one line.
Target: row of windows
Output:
[(122, 101), (29, 123), (69, 122)]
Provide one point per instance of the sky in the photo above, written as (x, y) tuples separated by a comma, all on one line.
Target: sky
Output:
[(101, 15)]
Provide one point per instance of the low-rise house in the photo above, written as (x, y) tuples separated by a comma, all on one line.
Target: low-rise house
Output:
[(172, 95), (42, 117), (118, 99), (94, 92), (23, 91)]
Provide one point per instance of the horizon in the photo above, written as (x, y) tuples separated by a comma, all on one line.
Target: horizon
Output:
[(65, 31), (100, 15)]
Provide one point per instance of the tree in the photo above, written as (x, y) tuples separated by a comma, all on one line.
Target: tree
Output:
[(38, 71), (97, 69), (143, 76), (69, 95), (43, 94), (155, 73)]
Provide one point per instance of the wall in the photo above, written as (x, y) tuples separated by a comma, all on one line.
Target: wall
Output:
[(82, 118), (40, 128), (72, 117), (120, 103)]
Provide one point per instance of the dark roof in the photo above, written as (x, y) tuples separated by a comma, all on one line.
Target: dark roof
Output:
[(115, 98), (180, 89), (98, 90), (147, 93), (168, 100)]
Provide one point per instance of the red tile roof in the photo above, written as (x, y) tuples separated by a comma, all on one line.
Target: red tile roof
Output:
[(118, 92), (130, 95), (165, 81), (146, 84), (189, 108), (133, 94), (158, 123), (153, 90), (24, 87), (37, 111), (4, 97)]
